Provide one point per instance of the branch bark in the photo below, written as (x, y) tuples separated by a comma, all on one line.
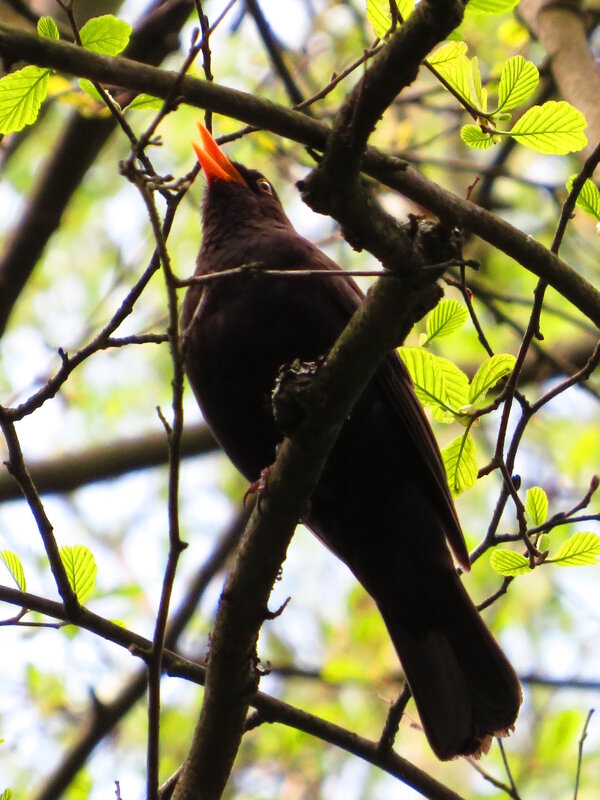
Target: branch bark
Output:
[(74, 470)]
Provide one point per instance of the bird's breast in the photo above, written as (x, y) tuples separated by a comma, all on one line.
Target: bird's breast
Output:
[(245, 328)]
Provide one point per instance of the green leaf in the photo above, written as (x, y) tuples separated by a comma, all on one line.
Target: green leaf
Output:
[(21, 95), (460, 462), (447, 53), (106, 35), (474, 137), (581, 549), (6, 794), (427, 376), (489, 373), (456, 388), (146, 101), (543, 543), (555, 128), (462, 74), (517, 82), (47, 28), (588, 198), (81, 569), (13, 564), (492, 6), (509, 563), (448, 316), (536, 505), (380, 17), (89, 88)]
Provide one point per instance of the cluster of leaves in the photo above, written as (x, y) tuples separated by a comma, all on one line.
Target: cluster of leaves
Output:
[(447, 391), (581, 549), (22, 92), (555, 127), (79, 564)]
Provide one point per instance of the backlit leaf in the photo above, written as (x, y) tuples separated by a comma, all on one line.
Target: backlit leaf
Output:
[(21, 95), (460, 462), (492, 6), (448, 316), (555, 128), (509, 563), (588, 198), (380, 17), (474, 137), (15, 567), (489, 373), (536, 505), (581, 549), (446, 53), (81, 569), (106, 35), (47, 28), (517, 82)]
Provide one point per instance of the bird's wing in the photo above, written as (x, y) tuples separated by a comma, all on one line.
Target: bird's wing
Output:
[(397, 386)]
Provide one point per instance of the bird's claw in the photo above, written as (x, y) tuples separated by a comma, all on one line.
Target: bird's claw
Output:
[(259, 488)]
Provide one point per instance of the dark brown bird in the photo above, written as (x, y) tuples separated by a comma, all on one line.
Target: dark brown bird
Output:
[(382, 504)]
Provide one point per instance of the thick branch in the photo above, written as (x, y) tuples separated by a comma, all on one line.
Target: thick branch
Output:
[(70, 472), (296, 126)]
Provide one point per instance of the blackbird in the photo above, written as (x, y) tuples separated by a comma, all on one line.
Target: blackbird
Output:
[(382, 504)]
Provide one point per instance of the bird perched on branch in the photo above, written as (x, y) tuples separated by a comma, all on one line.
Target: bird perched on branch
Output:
[(382, 504)]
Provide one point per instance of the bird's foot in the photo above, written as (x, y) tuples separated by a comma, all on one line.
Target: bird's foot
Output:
[(259, 488)]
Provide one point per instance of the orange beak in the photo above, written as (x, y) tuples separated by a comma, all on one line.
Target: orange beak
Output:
[(214, 162)]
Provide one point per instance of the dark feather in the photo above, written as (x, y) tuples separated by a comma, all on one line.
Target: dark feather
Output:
[(383, 504)]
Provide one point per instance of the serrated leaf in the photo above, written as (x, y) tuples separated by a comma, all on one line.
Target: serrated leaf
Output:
[(588, 198), (555, 128), (106, 35), (448, 316), (47, 28), (459, 74), (81, 569), (474, 137), (146, 101), (517, 82), (13, 564), (380, 17), (456, 386), (580, 550), (460, 461), (446, 53), (489, 373), (509, 563), (536, 505), (426, 375), (492, 6), (21, 95)]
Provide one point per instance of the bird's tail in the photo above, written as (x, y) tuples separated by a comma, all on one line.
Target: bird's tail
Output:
[(465, 690)]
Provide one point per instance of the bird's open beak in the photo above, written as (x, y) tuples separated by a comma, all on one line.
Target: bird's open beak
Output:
[(214, 162)]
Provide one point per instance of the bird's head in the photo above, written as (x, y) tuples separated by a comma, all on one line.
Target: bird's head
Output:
[(234, 193)]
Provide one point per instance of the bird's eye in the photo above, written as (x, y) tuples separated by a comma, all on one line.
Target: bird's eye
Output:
[(264, 185)]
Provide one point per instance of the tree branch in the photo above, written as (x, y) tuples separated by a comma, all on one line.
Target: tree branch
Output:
[(297, 126)]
